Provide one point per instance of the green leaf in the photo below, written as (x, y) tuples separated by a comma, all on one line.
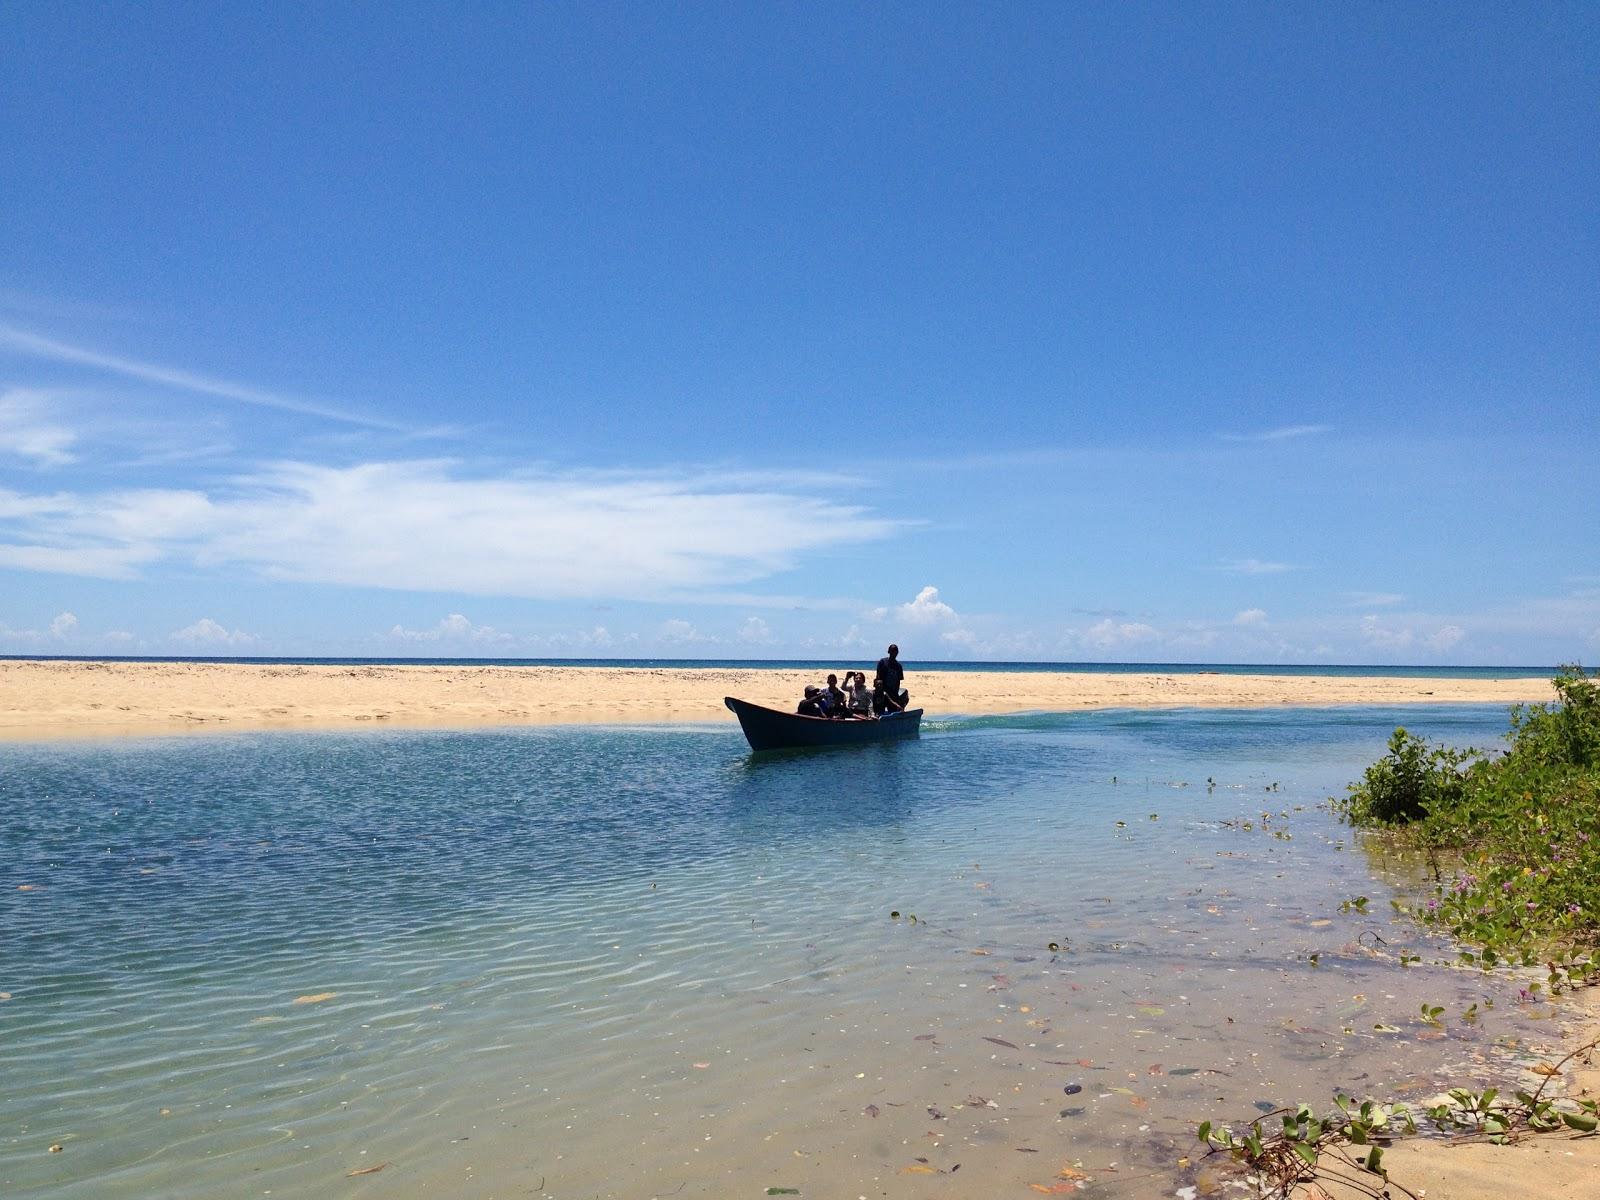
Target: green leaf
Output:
[(1309, 1153), (1582, 1122)]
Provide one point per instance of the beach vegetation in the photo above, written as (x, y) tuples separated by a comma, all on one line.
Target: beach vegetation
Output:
[(1513, 835), (1513, 840)]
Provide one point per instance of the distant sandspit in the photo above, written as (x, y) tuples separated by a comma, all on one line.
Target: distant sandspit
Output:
[(44, 698)]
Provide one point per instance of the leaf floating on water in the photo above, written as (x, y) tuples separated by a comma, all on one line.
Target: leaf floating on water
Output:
[(924, 1037), (4, 996), (1321, 923), (1001, 1042), (783, 1191), (702, 1066), (1184, 1071), (1544, 1069), (1053, 1189), (1071, 1173), (315, 998), (1380, 1027), (366, 1170), (918, 1170), (1152, 1010), (871, 1110)]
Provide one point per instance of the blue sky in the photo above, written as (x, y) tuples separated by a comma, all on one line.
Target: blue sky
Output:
[(1105, 332)]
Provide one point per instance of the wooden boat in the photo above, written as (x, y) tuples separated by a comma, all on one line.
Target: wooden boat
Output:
[(769, 729)]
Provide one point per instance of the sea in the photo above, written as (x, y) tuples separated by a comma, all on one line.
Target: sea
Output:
[(638, 961)]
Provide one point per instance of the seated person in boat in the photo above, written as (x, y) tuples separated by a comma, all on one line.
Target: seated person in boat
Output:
[(882, 701), (857, 698), (811, 706), (834, 700)]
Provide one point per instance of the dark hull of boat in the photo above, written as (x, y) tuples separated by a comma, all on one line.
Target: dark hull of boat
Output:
[(769, 729)]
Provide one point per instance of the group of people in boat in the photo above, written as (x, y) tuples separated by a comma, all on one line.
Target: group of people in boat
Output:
[(854, 701)]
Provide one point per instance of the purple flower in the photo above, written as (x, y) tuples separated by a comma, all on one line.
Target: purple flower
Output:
[(1433, 906), (1532, 905), (1574, 909), (1524, 995), (1506, 886)]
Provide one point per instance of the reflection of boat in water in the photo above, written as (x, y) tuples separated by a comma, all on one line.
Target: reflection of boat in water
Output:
[(769, 729)]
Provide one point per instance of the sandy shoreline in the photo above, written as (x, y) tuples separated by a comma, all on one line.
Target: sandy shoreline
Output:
[(53, 699)]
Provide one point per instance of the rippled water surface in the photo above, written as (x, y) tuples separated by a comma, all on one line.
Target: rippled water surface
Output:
[(584, 962)]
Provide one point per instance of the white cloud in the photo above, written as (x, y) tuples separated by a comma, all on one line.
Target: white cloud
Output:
[(1106, 634), (206, 632), (63, 624), (28, 431), (1251, 616), (1445, 637), (755, 632), (1374, 599), (1281, 434), (420, 526), (926, 609), (455, 629), (678, 632), (1255, 566), (1381, 637), (24, 342)]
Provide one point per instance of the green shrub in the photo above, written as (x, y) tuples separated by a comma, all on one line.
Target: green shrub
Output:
[(1522, 828), (1413, 780)]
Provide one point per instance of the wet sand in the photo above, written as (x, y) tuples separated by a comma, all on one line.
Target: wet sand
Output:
[(1555, 1166), (45, 699)]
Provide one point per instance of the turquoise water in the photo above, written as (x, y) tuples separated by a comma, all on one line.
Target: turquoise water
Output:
[(578, 962)]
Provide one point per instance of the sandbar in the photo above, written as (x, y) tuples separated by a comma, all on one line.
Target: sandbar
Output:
[(90, 699)]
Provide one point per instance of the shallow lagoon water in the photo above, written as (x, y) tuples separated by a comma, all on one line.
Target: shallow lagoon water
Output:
[(585, 962)]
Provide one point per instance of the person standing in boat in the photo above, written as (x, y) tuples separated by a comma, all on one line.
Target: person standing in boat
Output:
[(891, 675)]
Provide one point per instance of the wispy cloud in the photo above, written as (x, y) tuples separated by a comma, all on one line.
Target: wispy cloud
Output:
[(22, 341), (211, 634), (1373, 599), (30, 429), (421, 526), (454, 629), (1282, 434), (1255, 566)]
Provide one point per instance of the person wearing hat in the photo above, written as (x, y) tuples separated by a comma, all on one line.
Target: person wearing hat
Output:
[(810, 706)]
